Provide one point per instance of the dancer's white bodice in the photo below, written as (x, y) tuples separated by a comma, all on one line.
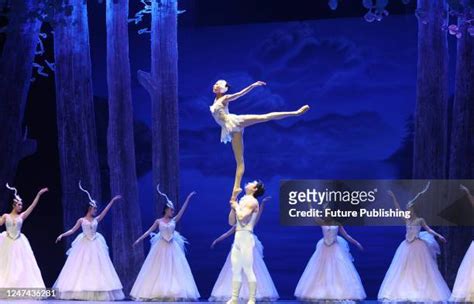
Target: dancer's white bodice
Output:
[(13, 226), (249, 224), (167, 230), (413, 230), (89, 228), (219, 111), (330, 234)]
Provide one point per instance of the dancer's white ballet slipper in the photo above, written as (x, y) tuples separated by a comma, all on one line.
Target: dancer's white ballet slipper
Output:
[(303, 109), (235, 292), (252, 292)]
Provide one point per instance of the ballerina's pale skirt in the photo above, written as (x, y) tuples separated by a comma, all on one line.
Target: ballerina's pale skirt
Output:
[(165, 274), (330, 274), (266, 290), (413, 274), (88, 273), (18, 267), (463, 290)]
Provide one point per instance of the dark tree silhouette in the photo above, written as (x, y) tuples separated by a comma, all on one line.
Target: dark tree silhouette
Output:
[(461, 163), (430, 140), (126, 216), (75, 111), (462, 136), (15, 77), (162, 85)]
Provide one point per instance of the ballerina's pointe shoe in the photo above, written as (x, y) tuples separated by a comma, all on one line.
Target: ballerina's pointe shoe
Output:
[(303, 109), (236, 193)]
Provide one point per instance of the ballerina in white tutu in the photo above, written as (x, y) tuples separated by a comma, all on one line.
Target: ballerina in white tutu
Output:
[(165, 274), (413, 274), (463, 290), (330, 274), (88, 273), (18, 267), (233, 125), (266, 290)]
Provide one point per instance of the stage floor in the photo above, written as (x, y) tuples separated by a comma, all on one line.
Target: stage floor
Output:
[(136, 302)]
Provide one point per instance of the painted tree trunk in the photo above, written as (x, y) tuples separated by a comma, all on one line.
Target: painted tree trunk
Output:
[(461, 165), (77, 139), (162, 85), (430, 152), (126, 217), (15, 77), (462, 137), (430, 140)]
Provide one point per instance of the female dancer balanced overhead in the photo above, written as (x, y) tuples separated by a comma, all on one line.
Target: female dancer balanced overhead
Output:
[(233, 125)]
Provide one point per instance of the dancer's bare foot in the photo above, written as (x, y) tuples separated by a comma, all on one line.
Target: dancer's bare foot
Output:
[(235, 193), (303, 109)]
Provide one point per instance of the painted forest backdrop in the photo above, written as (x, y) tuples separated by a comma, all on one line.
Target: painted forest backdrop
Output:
[(391, 99)]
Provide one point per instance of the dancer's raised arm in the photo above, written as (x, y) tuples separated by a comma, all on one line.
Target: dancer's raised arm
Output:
[(28, 211), (223, 236), (2, 220), (183, 208), (349, 238), (232, 97), (469, 195), (70, 231), (107, 208), (232, 217), (260, 208), (153, 227), (432, 232), (394, 199)]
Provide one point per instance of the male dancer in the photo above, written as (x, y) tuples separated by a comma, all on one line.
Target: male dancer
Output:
[(243, 214)]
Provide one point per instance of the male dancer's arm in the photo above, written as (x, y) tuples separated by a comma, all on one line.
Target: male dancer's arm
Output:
[(232, 217), (243, 213)]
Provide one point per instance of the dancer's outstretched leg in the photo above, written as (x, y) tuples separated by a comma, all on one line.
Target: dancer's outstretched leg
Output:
[(238, 147), (238, 141), (250, 120)]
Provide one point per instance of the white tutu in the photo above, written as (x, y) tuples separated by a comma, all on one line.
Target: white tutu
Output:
[(229, 122), (413, 274), (88, 273), (266, 290), (18, 267), (330, 274), (165, 274), (463, 290)]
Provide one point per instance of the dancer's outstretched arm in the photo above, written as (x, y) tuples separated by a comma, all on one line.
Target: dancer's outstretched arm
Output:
[(223, 236), (70, 231), (28, 211), (232, 217), (107, 208), (243, 213), (469, 195), (153, 227), (349, 238), (2, 220), (260, 208), (394, 199), (232, 97), (432, 232), (185, 205)]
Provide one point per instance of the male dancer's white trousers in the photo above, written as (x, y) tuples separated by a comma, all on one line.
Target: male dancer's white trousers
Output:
[(242, 256)]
